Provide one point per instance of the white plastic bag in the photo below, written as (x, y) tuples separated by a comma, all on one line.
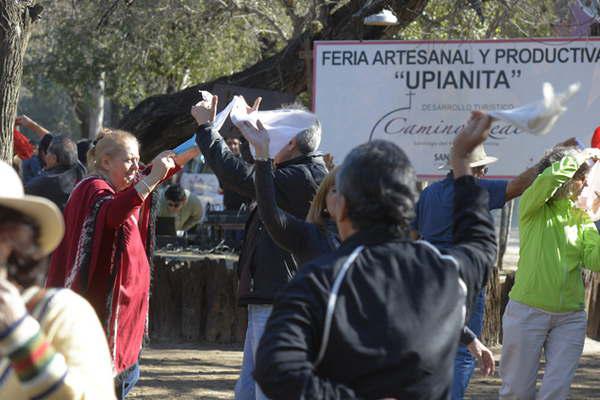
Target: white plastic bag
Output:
[(538, 118), (282, 125)]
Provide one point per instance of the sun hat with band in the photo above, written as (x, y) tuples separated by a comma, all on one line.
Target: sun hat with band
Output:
[(44, 212), (477, 158)]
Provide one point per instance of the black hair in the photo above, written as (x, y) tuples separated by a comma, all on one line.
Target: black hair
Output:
[(379, 185), (175, 193), (82, 148), (45, 143), (64, 149), (553, 155), (24, 267)]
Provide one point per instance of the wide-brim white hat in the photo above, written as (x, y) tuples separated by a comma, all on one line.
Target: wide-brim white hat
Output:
[(44, 212), (477, 158)]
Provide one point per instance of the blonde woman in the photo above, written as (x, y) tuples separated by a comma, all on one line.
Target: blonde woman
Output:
[(105, 253)]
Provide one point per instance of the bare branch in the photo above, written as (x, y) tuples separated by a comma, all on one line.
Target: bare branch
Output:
[(109, 11), (431, 22), (260, 13), (297, 21), (104, 19), (499, 20)]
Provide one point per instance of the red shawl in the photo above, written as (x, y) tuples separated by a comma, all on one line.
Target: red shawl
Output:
[(104, 257)]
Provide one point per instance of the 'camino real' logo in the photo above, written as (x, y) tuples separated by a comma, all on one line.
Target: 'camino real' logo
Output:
[(385, 122), (397, 123)]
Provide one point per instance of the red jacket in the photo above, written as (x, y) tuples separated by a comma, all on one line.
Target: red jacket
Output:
[(104, 257)]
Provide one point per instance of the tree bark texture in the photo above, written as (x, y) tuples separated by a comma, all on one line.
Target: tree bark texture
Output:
[(492, 311), (15, 29), (505, 224), (495, 298), (592, 301), (161, 122)]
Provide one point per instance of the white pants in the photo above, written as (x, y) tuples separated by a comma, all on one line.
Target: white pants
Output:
[(526, 331)]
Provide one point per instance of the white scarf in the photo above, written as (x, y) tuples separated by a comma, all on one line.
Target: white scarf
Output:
[(538, 118)]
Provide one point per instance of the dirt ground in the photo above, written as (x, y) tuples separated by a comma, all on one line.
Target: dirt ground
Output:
[(209, 372)]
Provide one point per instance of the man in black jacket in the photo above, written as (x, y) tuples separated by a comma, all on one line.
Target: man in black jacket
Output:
[(264, 267), (61, 172), (381, 316)]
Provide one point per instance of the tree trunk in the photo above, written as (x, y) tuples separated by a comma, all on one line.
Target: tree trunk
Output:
[(82, 112), (163, 121), (495, 300), (15, 29), (96, 115), (490, 333), (505, 222)]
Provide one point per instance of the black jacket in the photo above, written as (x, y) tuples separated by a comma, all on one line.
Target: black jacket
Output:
[(232, 200), (306, 241), (56, 183), (264, 267), (397, 319)]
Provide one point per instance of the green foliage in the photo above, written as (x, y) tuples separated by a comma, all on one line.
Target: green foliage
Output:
[(149, 47), (56, 115), (152, 47), (448, 19)]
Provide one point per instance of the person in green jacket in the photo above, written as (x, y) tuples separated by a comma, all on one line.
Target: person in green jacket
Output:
[(546, 306)]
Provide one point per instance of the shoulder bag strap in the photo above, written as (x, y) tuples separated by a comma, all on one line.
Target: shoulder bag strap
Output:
[(332, 301)]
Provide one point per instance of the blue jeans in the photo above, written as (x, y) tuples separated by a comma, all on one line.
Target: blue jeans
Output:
[(127, 380), (245, 387), (464, 362)]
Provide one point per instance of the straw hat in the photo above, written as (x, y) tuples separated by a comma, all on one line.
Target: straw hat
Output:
[(477, 158), (43, 211)]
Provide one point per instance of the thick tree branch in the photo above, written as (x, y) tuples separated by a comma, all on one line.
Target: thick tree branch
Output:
[(163, 121)]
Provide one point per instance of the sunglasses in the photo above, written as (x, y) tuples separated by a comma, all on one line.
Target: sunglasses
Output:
[(483, 170)]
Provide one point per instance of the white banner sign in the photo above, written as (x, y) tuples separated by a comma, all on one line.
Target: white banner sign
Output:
[(418, 95)]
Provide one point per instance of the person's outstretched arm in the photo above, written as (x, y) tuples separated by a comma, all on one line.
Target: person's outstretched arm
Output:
[(24, 120), (474, 235), (550, 180), (232, 171), (284, 228)]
